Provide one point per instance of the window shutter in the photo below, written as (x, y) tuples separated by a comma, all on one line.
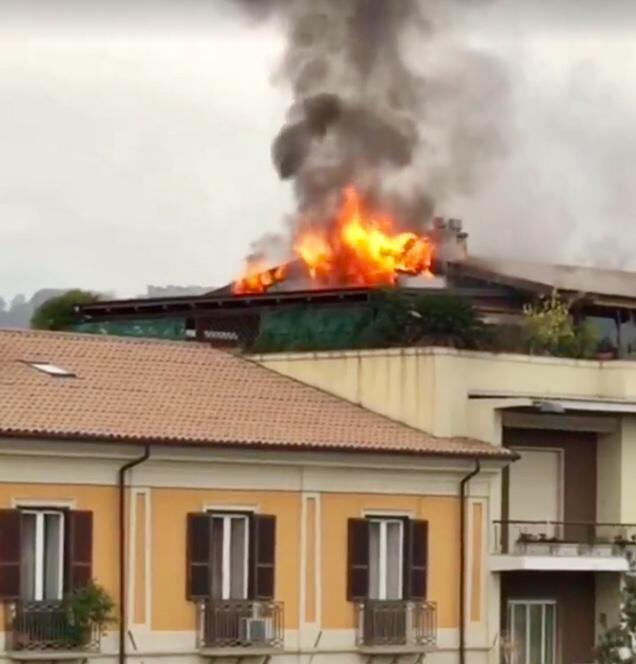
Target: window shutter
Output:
[(263, 556), (198, 556), (79, 549), (358, 560), (416, 559), (10, 554)]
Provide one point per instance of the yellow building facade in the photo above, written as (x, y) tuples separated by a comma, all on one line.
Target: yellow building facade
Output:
[(230, 514)]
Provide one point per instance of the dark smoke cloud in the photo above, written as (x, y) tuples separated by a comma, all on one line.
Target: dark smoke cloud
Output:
[(383, 100)]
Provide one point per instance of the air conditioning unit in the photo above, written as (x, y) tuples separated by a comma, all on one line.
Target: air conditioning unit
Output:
[(255, 630)]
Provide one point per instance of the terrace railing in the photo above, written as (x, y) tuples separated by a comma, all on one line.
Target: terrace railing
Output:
[(382, 624), (47, 626), (241, 624), (563, 538)]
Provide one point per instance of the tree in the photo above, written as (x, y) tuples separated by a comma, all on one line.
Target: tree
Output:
[(618, 644), (550, 330), (59, 313)]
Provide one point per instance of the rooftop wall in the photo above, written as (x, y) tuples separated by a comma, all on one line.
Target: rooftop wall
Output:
[(428, 388)]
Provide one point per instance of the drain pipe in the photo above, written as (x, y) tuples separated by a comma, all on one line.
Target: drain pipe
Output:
[(462, 560), (122, 550)]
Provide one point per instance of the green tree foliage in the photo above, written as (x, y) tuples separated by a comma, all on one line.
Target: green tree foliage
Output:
[(58, 313), (550, 330), (87, 609), (618, 644)]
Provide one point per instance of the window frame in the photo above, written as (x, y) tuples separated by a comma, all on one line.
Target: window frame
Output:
[(383, 520), (226, 564), (39, 512), (527, 603)]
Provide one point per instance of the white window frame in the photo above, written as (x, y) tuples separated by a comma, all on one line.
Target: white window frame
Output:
[(525, 657), (38, 573), (383, 522), (226, 561)]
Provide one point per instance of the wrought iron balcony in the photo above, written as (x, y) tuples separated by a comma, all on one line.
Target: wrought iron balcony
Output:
[(241, 624), (47, 626), (396, 624), (564, 538)]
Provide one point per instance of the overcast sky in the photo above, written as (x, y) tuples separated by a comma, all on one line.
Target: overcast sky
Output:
[(134, 139)]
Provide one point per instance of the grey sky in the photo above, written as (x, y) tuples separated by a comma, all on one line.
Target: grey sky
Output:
[(135, 139)]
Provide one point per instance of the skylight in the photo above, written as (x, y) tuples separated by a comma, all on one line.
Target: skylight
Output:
[(51, 369)]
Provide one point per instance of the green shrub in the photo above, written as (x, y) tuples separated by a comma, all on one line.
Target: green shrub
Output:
[(550, 330), (548, 324), (86, 609), (617, 644), (58, 313)]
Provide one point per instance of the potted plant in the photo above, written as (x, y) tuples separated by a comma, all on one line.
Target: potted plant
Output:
[(606, 349), (88, 611)]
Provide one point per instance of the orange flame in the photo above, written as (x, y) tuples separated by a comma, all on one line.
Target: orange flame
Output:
[(357, 249), (258, 278)]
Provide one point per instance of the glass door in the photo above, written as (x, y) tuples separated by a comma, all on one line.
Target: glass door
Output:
[(532, 631)]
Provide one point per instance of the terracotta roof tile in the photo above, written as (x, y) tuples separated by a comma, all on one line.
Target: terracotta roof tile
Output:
[(172, 392)]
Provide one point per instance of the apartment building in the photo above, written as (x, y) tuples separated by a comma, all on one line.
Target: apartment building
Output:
[(562, 530), (232, 513)]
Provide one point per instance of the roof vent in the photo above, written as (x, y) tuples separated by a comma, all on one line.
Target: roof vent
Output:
[(51, 369)]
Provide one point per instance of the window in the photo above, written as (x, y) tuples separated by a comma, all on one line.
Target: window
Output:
[(532, 629), (230, 556), (386, 546), (52, 369), (387, 559), (42, 569), (230, 538), (44, 552)]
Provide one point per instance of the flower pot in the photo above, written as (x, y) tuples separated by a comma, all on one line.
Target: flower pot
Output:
[(602, 550), (563, 549)]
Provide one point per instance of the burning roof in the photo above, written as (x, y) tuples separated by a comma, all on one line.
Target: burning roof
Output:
[(359, 247)]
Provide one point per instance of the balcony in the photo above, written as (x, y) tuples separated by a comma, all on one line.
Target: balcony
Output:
[(396, 626), (46, 628), (563, 545), (254, 626)]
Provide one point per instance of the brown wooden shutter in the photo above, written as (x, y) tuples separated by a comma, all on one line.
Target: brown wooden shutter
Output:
[(199, 556), (358, 560), (415, 559), (79, 549), (10, 553), (263, 556)]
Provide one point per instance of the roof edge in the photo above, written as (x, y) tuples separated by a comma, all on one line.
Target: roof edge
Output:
[(497, 454)]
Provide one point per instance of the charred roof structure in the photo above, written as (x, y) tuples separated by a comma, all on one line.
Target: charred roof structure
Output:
[(497, 289)]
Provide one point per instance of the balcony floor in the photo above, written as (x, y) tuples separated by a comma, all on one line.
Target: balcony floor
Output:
[(553, 563), (50, 655), (246, 651)]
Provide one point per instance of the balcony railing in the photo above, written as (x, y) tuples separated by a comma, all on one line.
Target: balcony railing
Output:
[(403, 624), (47, 626), (565, 538), (241, 624)]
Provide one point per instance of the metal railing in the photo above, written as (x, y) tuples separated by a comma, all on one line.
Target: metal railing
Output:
[(48, 626), (396, 623), (241, 624), (519, 537)]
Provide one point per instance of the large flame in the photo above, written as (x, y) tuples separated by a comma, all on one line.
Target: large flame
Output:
[(360, 248)]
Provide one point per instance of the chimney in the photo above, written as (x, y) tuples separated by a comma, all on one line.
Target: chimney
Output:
[(450, 240)]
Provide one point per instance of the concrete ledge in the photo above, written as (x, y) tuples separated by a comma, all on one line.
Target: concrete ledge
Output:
[(559, 563), (395, 650), (240, 652), (51, 655)]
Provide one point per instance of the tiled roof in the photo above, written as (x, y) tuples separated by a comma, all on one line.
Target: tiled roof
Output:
[(185, 392)]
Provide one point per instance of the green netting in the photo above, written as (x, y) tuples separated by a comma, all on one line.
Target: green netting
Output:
[(388, 319), (155, 329), (306, 328)]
